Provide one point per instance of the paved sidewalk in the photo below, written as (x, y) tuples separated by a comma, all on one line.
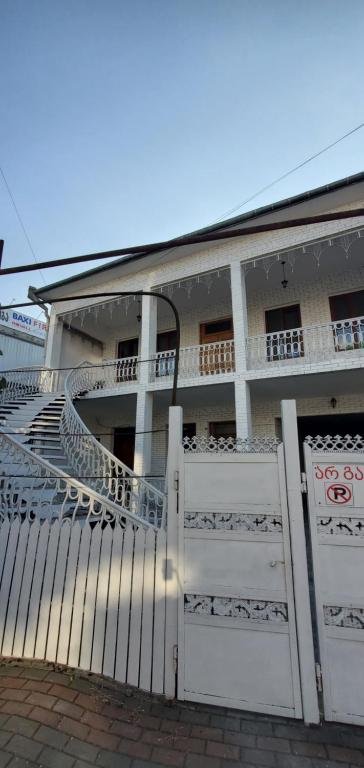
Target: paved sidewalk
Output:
[(58, 720)]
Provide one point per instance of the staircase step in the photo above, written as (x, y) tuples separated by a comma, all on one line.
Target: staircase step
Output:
[(45, 439)]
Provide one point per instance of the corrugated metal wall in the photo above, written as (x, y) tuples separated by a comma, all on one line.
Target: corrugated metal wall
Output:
[(17, 353)]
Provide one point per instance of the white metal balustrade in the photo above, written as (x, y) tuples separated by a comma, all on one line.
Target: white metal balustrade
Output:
[(195, 361), (310, 344), (27, 381)]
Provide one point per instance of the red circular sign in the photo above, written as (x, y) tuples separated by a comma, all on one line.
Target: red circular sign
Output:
[(339, 493)]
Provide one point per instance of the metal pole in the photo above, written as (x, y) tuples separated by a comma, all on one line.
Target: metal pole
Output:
[(122, 293)]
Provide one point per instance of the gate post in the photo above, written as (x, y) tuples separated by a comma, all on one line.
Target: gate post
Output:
[(171, 570), (299, 563)]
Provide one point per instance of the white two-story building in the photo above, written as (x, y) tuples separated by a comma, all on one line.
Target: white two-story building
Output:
[(277, 314)]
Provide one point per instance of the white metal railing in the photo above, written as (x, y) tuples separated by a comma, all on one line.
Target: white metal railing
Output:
[(31, 488), (109, 476), (196, 361), (20, 382), (310, 344)]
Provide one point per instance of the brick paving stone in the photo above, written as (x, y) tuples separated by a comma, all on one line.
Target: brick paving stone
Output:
[(21, 725), (62, 678), (37, 685), (308, 749), (51, 736), (87, 702), (205, 732), (41, 700), (62, 692), (14, 694), (52, 758), (73, 728), (215, 749), (94, 720), (5, 758), (346, 754), (167, 757), (24, 747), (126, 730), (102, 739), (4, 738), (240, 739), (3, 719), (135, 749), (176, 728), (80, 685), (6, 670), (69, 709), (108, 759), (224, 722), (274, 744), (11, 682), (19, 762), (45, 717), (82, 764), (34, 673), (258, 757), (194, 717), (81, 750), (202, 761), (16, 708)]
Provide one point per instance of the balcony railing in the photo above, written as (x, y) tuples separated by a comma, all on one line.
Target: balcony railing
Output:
[(197, 361), (311, 344)]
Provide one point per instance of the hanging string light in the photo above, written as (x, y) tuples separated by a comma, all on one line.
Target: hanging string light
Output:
[(284, 282)]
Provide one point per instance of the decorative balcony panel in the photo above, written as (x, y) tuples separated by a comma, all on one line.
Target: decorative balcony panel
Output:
[(312, 344), (195, 362)]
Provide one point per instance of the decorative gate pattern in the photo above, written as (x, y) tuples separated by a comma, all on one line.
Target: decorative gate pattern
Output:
[(335, 482), (90, 596), (237, 626)]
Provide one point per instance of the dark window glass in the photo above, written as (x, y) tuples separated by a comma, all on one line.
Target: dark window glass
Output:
[(218, 326), (283, 318), (222, 428), (284, 341), (189, 430), (347, 305), (128, 348), (166, 340)]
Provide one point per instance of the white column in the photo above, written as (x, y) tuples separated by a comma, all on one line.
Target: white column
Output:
[(173, 583), (53, 351), (243, 414), (299, 562), (240, 322), (144, 409)]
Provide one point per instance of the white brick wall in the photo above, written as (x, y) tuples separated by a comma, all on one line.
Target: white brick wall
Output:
[(264, 412)]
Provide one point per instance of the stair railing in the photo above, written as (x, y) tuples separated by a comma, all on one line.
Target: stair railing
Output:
[(32, 488), (22, 382), (97, 466)]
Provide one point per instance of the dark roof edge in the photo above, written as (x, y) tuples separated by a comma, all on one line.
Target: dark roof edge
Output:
[(242, 218)]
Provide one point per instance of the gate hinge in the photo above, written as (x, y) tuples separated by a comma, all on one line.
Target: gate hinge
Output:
[(318, 671), (175, 658), (176, 480), (303, 482)]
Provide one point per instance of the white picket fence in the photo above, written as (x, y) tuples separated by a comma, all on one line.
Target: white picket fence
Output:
[(90, 596)]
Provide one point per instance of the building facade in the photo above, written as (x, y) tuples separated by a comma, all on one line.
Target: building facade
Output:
[(22, 340), (265, 316)]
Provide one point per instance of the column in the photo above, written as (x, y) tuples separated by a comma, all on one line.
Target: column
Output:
[(144, 408), (53, 351), (240, 322)]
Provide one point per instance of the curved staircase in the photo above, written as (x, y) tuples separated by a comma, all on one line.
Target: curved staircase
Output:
[(52, 466)]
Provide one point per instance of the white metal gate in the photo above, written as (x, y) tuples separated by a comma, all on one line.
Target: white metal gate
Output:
[(237, 641), (335, 483)]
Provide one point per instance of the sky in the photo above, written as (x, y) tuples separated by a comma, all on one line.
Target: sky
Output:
[(132, 121)]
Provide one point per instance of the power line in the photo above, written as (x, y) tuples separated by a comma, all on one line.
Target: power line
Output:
[(288, 173), (16, 209)]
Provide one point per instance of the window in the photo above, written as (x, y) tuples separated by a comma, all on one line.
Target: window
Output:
[(347, 310), (166, 345), (126, 368), (222, 429), (217, 357), (189, 430), (284, 340)]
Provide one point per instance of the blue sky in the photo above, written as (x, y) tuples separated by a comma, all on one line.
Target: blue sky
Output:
[(128, 121)]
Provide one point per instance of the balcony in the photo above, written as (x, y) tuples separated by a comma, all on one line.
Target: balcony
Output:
[(196, 362), (333, 344), (200, 362)]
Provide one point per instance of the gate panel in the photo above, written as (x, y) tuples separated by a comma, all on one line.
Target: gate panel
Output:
[(335, 482), (237, 628)]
